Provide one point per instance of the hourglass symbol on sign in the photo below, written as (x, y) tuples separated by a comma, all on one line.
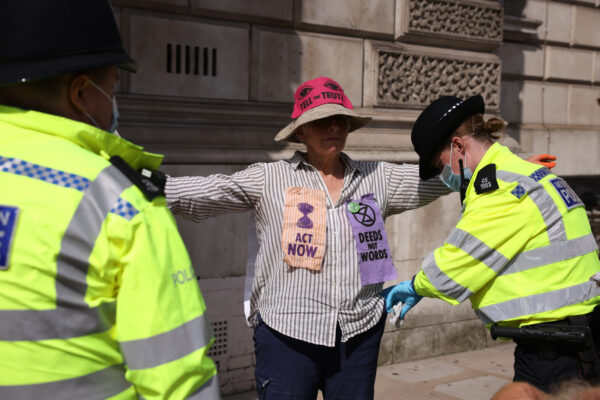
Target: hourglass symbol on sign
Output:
[(304, 221)]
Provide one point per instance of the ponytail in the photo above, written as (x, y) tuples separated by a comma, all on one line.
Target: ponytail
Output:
[(490, 130)]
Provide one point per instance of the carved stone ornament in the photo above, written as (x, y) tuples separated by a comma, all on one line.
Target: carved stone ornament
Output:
[(464, 20), (406, 76), (460, 24), (416, 80)]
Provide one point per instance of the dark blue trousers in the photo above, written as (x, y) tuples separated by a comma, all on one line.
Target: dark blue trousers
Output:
[(546, 364), (291, 369)]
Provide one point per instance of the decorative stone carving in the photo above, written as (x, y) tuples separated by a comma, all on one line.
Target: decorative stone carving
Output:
[(456, 19), (404, 76), (469, 24)]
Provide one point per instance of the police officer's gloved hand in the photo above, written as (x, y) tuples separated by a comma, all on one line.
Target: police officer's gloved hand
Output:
[(403, 292)]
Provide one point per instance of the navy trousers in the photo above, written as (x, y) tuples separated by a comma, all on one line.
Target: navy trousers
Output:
[(547, 364), (291, 369)]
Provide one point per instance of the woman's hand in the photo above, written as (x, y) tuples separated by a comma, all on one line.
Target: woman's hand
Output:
[(546, 160)]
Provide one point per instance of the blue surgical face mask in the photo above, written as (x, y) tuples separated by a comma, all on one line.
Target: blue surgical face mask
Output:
[(451, 179), (115, 110)]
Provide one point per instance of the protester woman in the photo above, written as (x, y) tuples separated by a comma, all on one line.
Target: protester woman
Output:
[(316, 305)]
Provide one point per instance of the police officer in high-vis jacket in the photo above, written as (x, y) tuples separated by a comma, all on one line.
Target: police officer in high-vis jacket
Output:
[(97, 298), (522, 252)]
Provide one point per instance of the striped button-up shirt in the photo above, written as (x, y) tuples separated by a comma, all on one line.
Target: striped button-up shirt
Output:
[(298, 302)]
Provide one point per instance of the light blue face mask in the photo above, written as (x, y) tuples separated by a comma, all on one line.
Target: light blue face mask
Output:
[(451, 179), (115, 110)]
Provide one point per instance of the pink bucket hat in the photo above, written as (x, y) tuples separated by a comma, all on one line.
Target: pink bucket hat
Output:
[(319, 98)]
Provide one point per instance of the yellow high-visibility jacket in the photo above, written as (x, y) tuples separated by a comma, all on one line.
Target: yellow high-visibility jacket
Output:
[(98, 298), (522, 252)]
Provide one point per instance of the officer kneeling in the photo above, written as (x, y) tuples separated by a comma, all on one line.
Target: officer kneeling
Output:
[(523, 251), (88, 305)]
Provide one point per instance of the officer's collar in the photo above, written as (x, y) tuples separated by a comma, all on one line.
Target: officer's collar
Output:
[(87, 136), (489, 157)]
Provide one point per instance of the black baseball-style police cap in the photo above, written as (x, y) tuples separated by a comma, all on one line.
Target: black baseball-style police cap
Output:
[(42, 38), (435, 125)]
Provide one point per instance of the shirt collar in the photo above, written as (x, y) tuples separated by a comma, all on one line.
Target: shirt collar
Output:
[(350, 164), (87, 136), (297, 159)]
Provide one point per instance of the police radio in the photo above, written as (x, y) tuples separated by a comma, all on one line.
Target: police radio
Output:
[(464, 184)]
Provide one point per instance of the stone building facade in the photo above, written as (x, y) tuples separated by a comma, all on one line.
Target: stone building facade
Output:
[(215, 87)]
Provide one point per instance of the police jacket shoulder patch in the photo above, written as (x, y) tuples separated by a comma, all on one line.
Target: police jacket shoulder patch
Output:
[(486, 179), (151, 183)]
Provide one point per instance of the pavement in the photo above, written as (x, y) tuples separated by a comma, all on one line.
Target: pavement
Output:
[(472, 375)]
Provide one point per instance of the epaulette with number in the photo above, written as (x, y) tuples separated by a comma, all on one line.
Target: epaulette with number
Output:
[(151, 183), (486, 179)]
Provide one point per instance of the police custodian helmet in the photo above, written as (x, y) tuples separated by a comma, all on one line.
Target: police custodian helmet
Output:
[(42, 38), (436, 124)]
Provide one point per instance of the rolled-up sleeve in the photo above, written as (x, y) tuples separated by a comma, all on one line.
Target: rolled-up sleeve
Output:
[(200, 197)]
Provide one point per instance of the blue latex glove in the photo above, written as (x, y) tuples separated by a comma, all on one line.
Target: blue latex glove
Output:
[(403, 292)]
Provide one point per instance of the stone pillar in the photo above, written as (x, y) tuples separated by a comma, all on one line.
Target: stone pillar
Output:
[(550, 80)]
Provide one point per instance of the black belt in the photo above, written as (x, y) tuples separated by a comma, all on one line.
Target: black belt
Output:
[(575, 330), (577, 335)]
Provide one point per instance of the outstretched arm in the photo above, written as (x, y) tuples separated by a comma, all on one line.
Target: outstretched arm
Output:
[(199, 197), (407, 191)]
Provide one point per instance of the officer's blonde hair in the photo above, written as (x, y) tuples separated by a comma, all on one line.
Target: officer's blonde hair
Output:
[(485, 131)]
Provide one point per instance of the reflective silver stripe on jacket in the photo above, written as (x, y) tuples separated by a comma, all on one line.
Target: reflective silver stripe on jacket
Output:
[(72, 316), (168, 346), (477, 249), (98, 385), (498, 263), (538, 194), (494, 260), (209, 391), (443, 282), (474, 247), (538, 303), (553, 253)]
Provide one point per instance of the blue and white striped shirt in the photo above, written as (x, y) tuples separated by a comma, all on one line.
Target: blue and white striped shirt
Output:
[(297, 302)]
